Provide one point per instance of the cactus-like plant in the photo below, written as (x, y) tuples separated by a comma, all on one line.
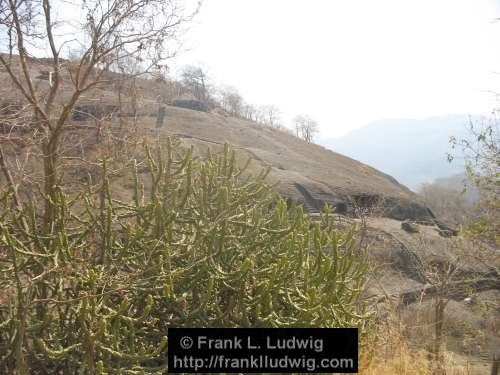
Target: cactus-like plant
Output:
[(200, 244)]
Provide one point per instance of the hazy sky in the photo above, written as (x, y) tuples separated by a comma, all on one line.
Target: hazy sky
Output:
[(348, 62)]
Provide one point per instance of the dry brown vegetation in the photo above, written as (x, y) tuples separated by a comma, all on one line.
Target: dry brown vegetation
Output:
[(399, 348), (73, 129)]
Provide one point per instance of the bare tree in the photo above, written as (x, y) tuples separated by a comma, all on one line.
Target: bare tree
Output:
[(111, 31), (270, 115), (249, 112), (448, 204), (231, 100), (126, 86), (441, 276), (482, 162), (194, 78), (305, 127)]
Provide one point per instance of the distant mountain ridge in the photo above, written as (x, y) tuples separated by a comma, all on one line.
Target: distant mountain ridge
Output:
[(414, 151)]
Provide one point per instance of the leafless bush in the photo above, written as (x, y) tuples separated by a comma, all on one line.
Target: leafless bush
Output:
[(115, 32)]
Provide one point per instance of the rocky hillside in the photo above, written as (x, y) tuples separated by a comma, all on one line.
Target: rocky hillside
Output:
[(307, 173)]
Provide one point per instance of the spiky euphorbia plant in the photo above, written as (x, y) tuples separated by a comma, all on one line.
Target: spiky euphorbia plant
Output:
[(204, 245)]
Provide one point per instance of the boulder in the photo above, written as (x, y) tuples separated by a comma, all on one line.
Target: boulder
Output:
[(409, 227)]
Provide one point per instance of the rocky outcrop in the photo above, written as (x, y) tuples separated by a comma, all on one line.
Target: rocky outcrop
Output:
[(303, 172), (195, 105), (409, 227)]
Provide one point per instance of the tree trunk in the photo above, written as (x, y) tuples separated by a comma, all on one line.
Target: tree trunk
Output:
[(160, 117), (438, 339), (495, 365), (50, 181)]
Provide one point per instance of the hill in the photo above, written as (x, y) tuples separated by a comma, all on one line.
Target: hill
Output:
[(413, 151), (304, 172)]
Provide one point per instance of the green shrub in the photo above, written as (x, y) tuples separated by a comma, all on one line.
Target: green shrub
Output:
[(201, 246)]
